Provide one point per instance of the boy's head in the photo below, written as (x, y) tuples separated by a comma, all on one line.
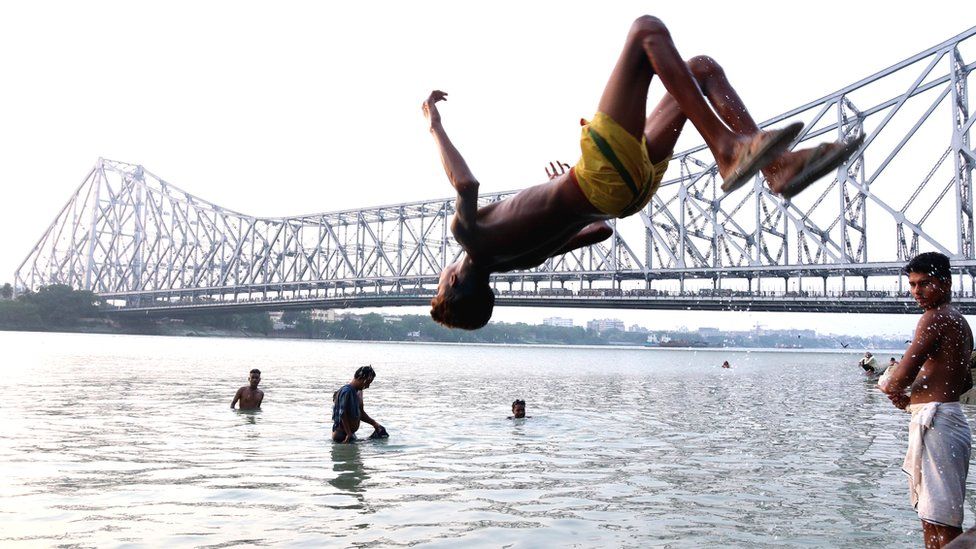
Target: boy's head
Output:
[(254, 377), (518, 408), (365, 375), (930, 279), (462, 301)]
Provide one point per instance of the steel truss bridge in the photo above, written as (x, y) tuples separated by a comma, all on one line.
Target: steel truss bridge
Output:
[(149, 247)]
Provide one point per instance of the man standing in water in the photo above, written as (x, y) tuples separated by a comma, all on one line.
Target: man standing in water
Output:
[(624, 154), (249, 395), (347, 408), (936, 369)]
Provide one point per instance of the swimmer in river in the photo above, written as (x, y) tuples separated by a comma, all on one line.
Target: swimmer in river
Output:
[(518, 410), (249, 395), (625, 153)]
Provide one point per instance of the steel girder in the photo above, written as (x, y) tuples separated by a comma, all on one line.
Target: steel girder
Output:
[(127, 234)]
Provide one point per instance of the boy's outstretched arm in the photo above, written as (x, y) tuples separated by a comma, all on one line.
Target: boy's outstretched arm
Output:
[(456, 168), (237, 396)]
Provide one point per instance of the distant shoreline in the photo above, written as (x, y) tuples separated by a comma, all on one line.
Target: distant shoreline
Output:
[(232, 334)]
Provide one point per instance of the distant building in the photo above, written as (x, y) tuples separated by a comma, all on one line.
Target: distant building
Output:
[(276, 323), (605, 324), (709, 332), (327, 315), (558, 321), (637, 329), (392, 319)]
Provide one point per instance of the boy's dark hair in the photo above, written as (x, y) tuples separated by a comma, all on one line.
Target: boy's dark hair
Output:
[(255, 371), (930, 263), (518, 401), (465, 306), (364, 372)]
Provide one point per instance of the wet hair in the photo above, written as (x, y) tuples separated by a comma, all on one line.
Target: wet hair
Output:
[(467, 306), (930, 263), (364, 372), (518, 401), (255, 371), (335, 394)]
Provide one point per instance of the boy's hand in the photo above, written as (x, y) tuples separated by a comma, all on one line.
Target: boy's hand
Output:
[(557, 168), (901, 401), (430, 107)]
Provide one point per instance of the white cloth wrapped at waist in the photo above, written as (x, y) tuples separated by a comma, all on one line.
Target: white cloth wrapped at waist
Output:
[(937, 461)]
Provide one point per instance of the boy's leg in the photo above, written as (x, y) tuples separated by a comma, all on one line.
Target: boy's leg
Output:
[(738, 156), (731, 109), (663, 128), (936, 535)]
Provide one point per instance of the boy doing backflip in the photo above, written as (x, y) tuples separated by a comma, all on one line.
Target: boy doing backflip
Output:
[(936, 369), (624, 156)]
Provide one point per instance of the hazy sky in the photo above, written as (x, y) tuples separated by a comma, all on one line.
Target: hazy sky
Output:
[(286, 108)]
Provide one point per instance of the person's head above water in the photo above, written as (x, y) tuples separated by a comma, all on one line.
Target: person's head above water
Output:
[(930, 279), (364, 377), (463, 300), (254, 377), (518, 408)]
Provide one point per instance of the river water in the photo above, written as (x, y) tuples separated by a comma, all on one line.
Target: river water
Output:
[(129, 441)]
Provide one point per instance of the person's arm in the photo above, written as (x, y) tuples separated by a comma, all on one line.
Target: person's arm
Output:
[(455, 167), (260, 398), (363, 416), (237, 396), (919, 350)]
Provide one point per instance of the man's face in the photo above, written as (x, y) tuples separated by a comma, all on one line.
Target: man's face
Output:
[(518, 409), (368, 381), (930, 292), (254, 379)]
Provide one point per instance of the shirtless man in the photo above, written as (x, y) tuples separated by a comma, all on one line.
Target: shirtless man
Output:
[(249, 395), (936, 369), (348, 410), (624, 156)]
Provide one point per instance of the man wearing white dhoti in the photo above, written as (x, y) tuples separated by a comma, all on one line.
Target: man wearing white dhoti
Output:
[(936, 370)]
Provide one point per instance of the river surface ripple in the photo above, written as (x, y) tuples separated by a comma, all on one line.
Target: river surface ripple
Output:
[(129, 441)]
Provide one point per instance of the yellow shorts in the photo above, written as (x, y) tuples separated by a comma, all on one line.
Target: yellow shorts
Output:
[(614, 172)]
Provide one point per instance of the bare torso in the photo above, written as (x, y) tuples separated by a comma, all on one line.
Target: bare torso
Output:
[(524, 230), (945, 374), (249, 399)]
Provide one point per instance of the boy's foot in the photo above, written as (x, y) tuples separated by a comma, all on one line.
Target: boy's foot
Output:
[(792, 175), (754, 155)]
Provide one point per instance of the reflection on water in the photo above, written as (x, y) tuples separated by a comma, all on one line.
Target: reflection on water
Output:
[(348, 465), (626, 447)]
